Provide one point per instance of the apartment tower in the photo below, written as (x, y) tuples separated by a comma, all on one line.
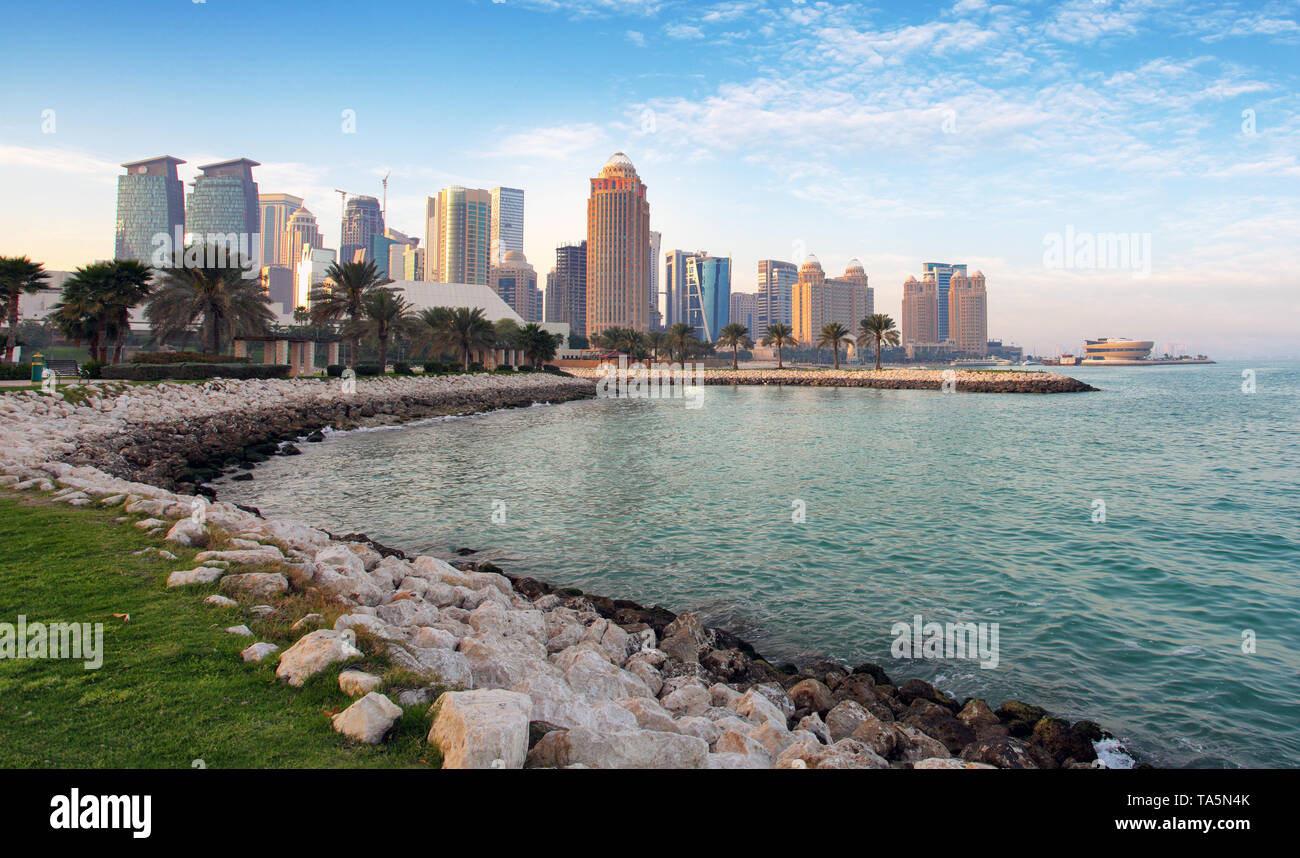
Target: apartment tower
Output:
[(150, 201), (618, 249)]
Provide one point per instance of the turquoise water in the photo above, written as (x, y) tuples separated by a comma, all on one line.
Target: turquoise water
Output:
[(952, 506)]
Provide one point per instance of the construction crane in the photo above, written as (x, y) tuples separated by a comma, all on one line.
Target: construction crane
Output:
[(386, 175), (343, 202)]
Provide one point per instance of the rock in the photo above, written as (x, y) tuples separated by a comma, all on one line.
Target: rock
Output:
[(649, 714), (445, 666), (728, 665), (877, 674), (938, 722), (256, 585), (314, 652), (1019, 718), (1004, 752), (199, 575), (242, 631), (757, 707), (357, 683), (846, 717), (259, 651), (913, 745), (812, 695), (631, 749), (814, 724), (735, 742), (1061, 742), (688, 700), (949, 763), (977, 715), (219, 601), (369, 719), (915, 689), (474, 729), (306, 620), (881, 736), (188, 533), (592, 675), (683, 637), (847, 754)]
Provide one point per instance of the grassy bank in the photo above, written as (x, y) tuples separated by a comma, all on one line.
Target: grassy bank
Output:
[(173, 688)]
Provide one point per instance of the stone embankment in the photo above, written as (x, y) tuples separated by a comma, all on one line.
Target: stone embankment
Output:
[(958, 380), (518, 672)]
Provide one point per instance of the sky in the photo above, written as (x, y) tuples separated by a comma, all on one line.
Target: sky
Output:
[(1012, 137)]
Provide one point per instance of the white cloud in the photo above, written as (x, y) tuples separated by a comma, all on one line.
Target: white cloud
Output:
[(636, 38), (555, 143), (683, 31)]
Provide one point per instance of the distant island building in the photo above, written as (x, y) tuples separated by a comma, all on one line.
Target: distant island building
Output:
[(945, 314), (817, 300)]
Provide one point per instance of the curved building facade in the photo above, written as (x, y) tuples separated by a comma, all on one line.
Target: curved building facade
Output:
[(618, 249), (1114, 349)]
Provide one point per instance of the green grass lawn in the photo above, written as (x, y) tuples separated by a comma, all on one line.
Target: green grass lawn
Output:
[(173, 688)]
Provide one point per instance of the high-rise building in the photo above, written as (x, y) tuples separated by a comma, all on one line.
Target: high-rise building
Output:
[(618, 244), (566, 291), (515, 281), (744, 311), (312, 265), (150, 202), (920, 312), (390, 252), (675, 286), (276, 209), (507, 228), (362, 221), (968, 314), (300, 231), (817, 300), (943, 273), (413, 264), (708, 295), (224, 203), (457, 246), (776, 281), (277, 283), (656, 316)]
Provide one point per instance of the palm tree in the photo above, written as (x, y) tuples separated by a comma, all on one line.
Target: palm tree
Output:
[(538, 344), (833, 335), (735, 336), (79, 315), (463, 328), (682, 340), (385, 310), (228, 303), (130, 282), (340, 297), (880, 328), (18, 274), (779, 335), (656, 341)]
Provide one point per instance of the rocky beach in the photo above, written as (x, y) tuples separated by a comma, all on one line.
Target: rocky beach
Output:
[(959, 380), (517, 672)]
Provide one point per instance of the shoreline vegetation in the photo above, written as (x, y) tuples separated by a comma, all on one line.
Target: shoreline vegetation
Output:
[(512, 671)]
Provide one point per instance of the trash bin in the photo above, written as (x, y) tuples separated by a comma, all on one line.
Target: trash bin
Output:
[(38, 368)]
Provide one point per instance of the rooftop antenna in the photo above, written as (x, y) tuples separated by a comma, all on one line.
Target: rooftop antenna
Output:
[(386, 175)]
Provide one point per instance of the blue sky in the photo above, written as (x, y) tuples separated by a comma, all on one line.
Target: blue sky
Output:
[(896, 133)]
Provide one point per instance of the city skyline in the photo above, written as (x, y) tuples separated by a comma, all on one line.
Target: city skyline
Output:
[(956, 132)]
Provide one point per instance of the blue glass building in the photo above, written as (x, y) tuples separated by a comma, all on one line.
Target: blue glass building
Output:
[(708, 295), (943, 272), (150, 202)]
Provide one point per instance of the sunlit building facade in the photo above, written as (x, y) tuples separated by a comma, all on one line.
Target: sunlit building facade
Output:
[(276, 209), (515, 282), (566, 287), (776, 281), (457, 241), (507, 227), (618, 249), (968, 314), (816, 300), (708, 295), (943, 273)]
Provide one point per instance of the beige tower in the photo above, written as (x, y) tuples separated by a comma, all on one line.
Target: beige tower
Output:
[(920, 311), (618, 249), (968, 314), (457, 238)]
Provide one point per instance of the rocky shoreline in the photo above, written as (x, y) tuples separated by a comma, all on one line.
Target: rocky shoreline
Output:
[(962, 381), (539, 675)]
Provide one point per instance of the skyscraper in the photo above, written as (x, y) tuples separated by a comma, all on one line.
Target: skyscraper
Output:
[(618, 244), (675, 286), (708, 295), (776, 281), (817, 300), (362, 221), (396, 245), (300, 231), (566, 291), (656, 317), (275, 212), (457, 246), (507, 228), (224, 202), (920, 311), (744, 311), (515, 281), (943, 273), (968, 317), (150, 201)]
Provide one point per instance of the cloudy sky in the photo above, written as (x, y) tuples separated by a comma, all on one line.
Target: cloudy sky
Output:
[(897, 133)]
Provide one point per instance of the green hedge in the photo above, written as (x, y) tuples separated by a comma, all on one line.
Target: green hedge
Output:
[(15, 371), (158, 372), (185, 357)]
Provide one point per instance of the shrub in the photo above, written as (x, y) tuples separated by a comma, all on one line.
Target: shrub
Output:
[(334, 370), (367, 369), (185, 357), (402, 368), (189, 371), (16, 371), (476, 367), (433, 367), (93, 369)]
